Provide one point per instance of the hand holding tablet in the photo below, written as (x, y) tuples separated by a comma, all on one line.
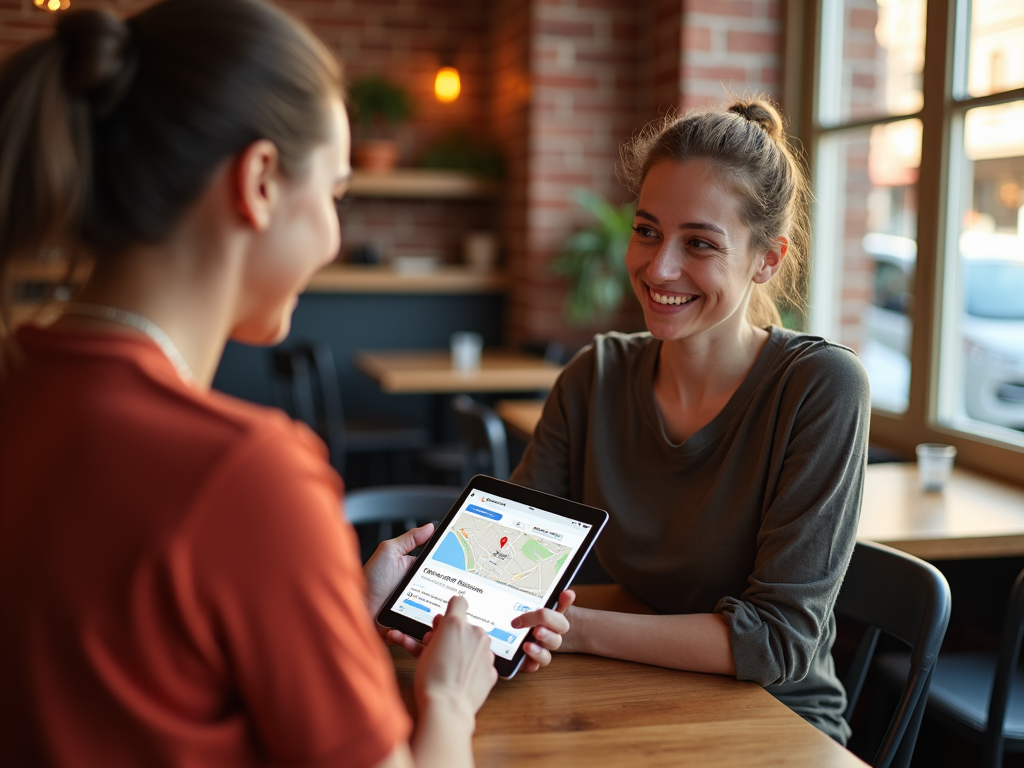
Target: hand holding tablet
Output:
[(510, 551)]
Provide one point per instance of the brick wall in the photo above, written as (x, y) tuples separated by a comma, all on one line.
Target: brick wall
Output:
[(600, 70), (730, 46), (558, 84)]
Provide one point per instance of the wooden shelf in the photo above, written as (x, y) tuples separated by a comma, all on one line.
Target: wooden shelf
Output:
[(414, 183), (45, 272), (353, 278)]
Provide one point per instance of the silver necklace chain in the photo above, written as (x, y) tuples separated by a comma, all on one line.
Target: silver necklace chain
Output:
[(139, 323)]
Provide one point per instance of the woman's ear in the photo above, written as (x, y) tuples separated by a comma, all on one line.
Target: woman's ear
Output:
[(257, 179), (771, 260)]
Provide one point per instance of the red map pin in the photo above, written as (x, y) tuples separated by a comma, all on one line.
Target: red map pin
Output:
[(503, 540)]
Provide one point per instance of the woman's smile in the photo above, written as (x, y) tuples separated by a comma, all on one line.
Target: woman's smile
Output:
[(670, 302)]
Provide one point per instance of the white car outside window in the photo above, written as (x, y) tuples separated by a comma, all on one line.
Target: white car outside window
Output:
[(992, 325)]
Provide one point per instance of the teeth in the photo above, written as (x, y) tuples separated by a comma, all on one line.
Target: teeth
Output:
[(663, 299)]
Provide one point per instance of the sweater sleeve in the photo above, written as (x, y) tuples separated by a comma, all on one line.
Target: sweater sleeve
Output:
[(559, 439), (809, 520)]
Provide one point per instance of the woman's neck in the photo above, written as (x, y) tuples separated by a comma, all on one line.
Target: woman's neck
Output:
[(696, 377), (188, 291)]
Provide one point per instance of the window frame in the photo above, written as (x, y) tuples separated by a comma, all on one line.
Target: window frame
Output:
[(945, 102)]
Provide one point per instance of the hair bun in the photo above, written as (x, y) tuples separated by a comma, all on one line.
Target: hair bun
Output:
[(99, 57), (763, 113)]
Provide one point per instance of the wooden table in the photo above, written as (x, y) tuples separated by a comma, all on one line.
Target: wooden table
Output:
[(593, 712), (975, 516), (430, 372), (520, 416)]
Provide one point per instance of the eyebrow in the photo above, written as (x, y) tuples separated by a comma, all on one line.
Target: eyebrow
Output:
[(688, 225)]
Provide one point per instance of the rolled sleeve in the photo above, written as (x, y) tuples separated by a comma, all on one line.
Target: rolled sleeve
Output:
[(809, 524)]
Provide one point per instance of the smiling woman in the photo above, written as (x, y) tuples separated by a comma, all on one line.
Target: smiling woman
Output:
[(728, 451), (177, 583)]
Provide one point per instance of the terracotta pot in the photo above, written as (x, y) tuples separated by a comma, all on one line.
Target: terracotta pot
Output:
[(376, 155)]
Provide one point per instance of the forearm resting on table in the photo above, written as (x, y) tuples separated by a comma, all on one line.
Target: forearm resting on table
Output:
[(697, 642)]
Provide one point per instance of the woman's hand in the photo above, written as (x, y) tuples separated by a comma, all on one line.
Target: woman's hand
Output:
[(388, 565), (548, 628), (456, 669)]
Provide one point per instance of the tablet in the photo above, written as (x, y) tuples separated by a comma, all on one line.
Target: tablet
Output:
[(507, 550)]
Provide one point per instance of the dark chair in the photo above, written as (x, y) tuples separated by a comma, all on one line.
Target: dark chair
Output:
[(979, 694), (483, 439), (410, 505), (908, 599), (305, 383)]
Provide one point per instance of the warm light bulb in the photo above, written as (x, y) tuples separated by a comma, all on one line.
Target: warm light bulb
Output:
[(53, 5), (39, 2), (447, 85)]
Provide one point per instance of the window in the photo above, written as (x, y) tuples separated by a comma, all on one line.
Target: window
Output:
[(917, 158)]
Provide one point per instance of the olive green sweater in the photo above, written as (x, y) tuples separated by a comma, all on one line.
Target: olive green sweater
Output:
[(754, 516)]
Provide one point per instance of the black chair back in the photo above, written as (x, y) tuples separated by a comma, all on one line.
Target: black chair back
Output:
[(304, 376), (410, 505), (907, 598), (1006, 664), (483, 438)]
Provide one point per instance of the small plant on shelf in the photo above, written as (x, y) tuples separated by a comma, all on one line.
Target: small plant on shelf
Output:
[(377, 106), (462, 151), (594, 259)]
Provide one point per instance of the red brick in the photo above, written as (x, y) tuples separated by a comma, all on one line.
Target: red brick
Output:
[(861, 18), (691, 73), (624, 31), (752, 42), (564, 81), (564, 28), (734, 8), (696, 38)]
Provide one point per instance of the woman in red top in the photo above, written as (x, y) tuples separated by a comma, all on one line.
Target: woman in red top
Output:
[(176, 585)]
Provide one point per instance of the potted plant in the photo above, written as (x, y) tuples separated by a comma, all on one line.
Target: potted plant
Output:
[(377, 106), (594, 259)]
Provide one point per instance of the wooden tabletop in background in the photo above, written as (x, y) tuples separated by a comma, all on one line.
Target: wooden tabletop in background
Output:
[(595, 712), (430, 372), (974, 516)]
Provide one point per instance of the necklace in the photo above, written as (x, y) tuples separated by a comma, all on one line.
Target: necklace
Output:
[(139, 323)]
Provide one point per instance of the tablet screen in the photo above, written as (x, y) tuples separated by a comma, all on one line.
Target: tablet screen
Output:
[(504, 557)]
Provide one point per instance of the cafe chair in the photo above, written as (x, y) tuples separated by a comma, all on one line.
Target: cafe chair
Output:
[(381, 507), (979, 694), (904, 597), (305, 383), (483, 439)]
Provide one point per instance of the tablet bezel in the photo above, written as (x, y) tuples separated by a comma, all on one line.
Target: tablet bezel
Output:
[(572, 510)]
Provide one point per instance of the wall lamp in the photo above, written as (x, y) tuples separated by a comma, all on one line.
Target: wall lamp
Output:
[(447, 84)]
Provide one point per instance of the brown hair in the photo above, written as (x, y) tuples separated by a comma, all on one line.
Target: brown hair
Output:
[(748, 142), (110, 129)]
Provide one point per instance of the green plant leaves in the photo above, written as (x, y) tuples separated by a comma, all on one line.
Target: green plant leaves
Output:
[(594, 259), (376, 99)]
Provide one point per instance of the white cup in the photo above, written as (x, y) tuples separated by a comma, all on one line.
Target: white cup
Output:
[(934, 465), (480, 250), (466, 349)]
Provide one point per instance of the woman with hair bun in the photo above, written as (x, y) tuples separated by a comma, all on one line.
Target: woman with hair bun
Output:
[(177, 586), (729, 451)]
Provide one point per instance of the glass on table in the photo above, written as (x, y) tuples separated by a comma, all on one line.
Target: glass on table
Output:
[(467, 347), (934, 465)]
